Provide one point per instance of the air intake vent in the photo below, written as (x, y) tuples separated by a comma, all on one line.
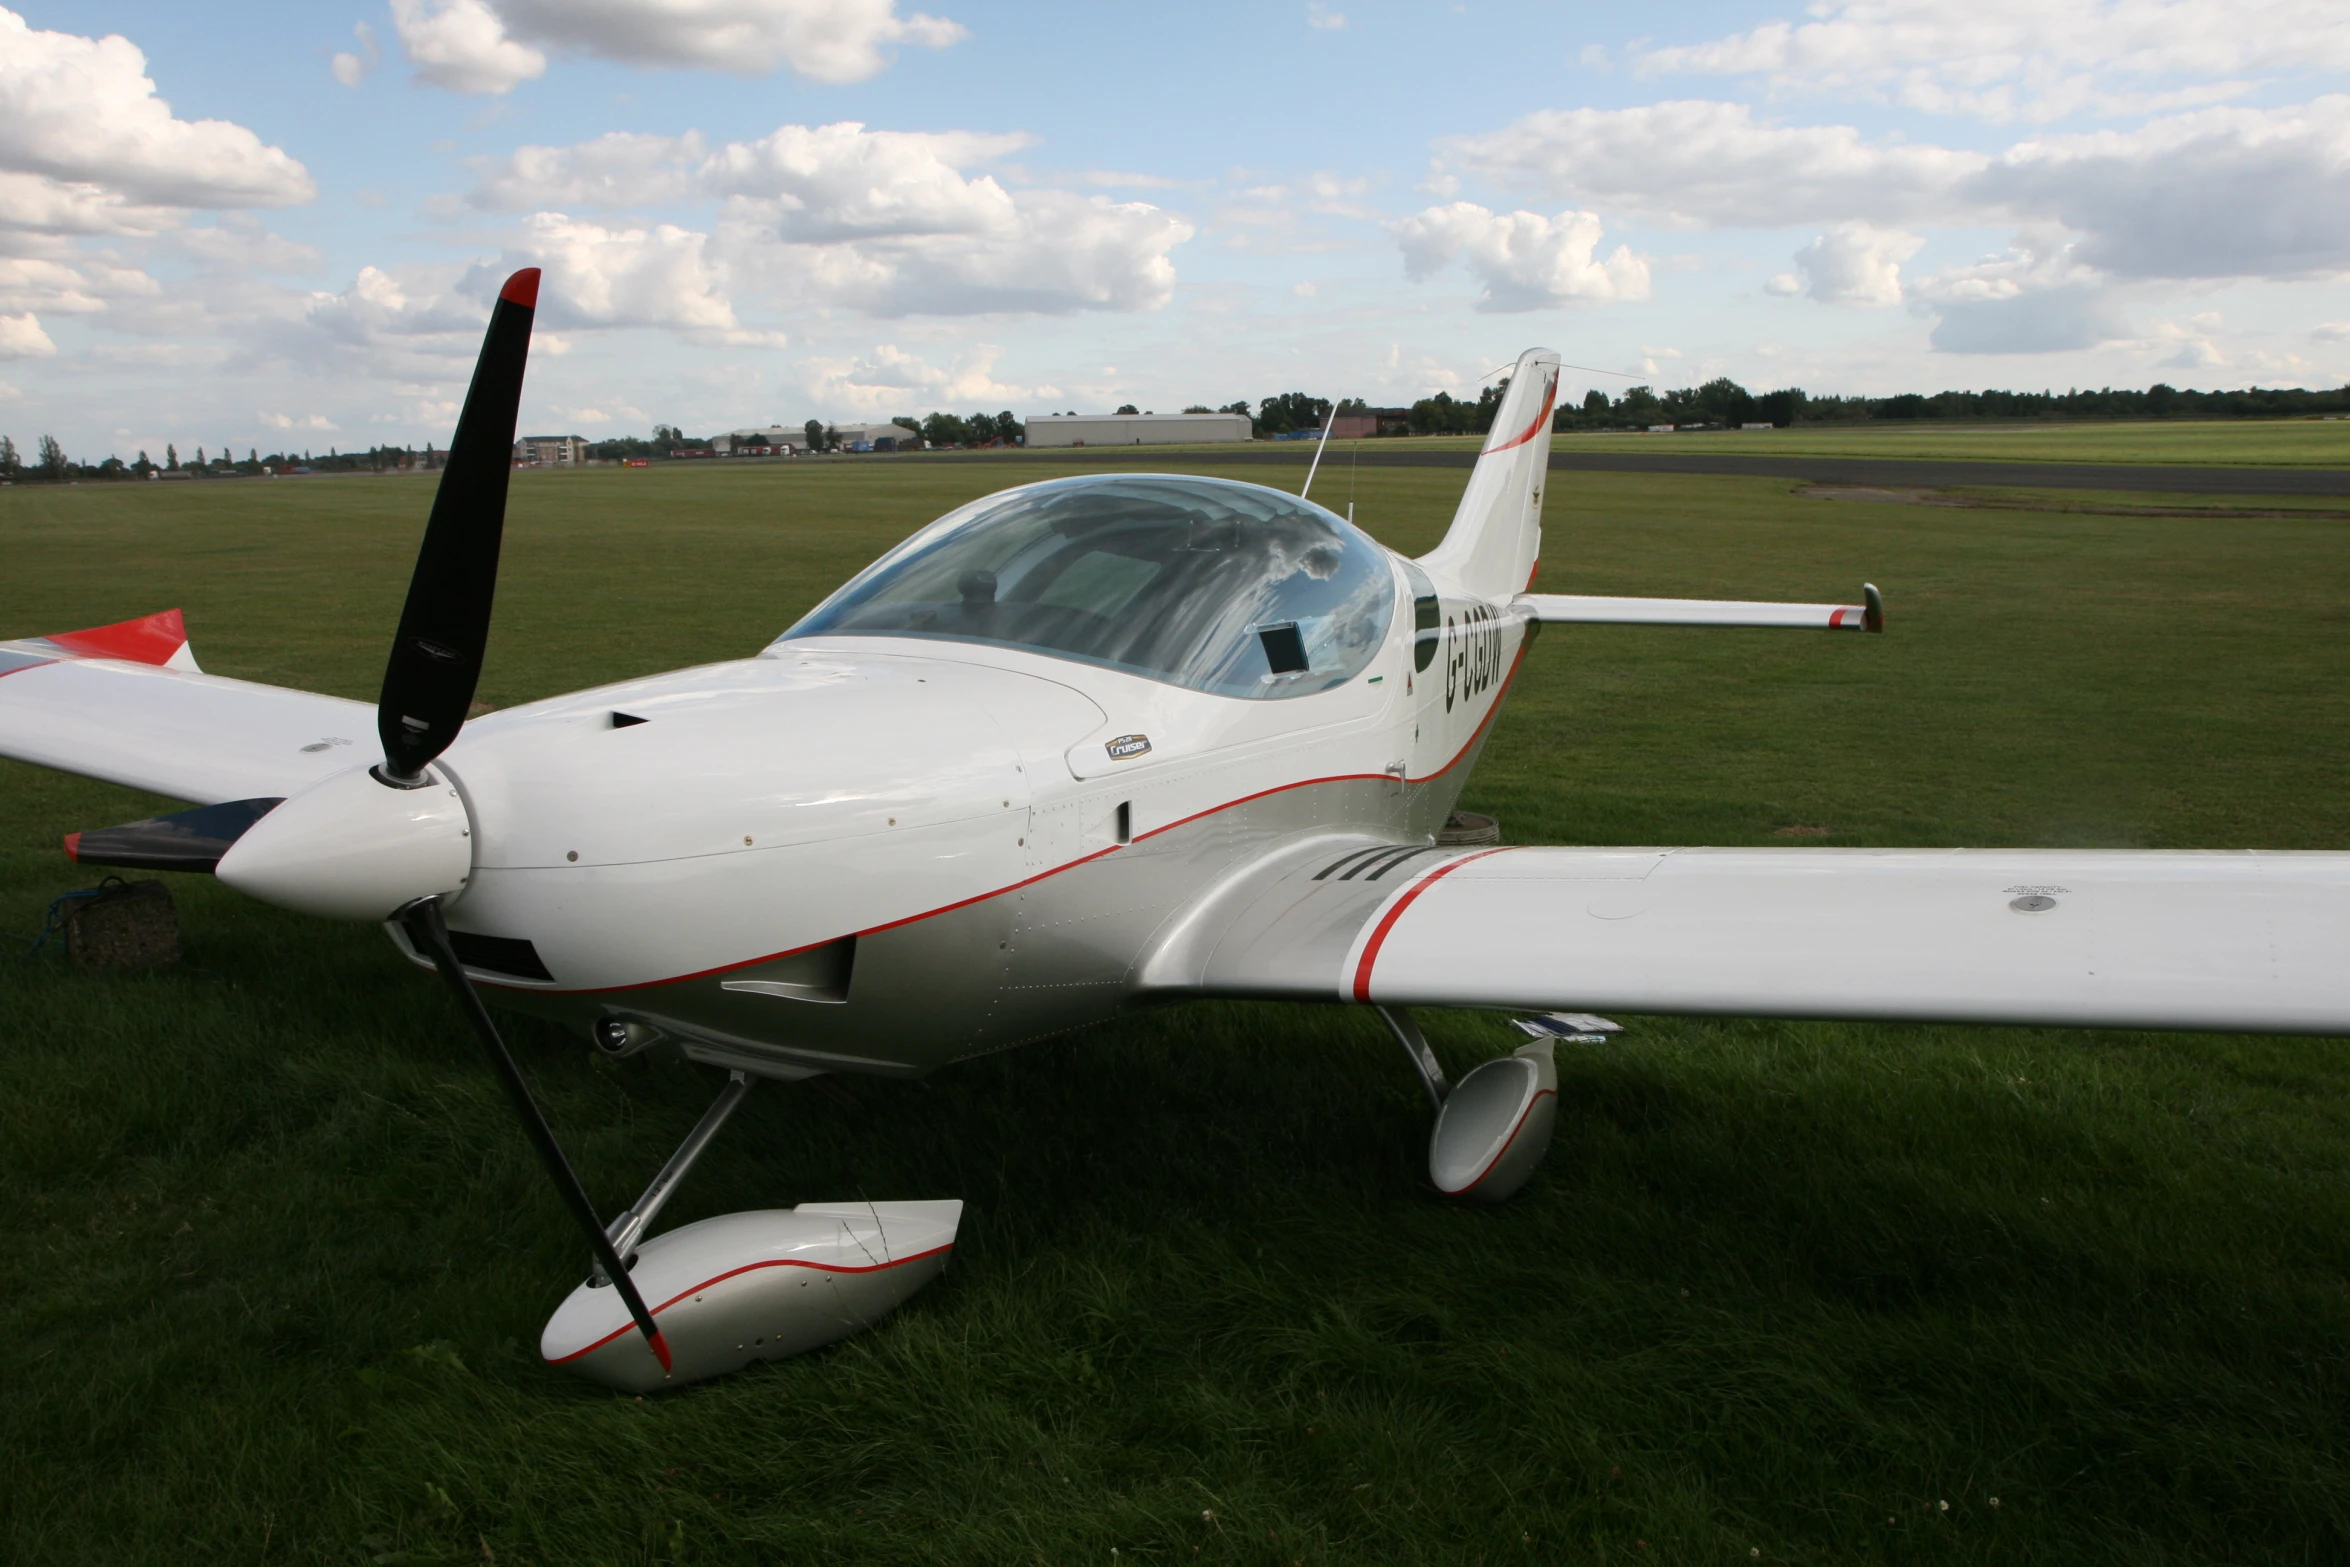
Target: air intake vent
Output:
[(1378, 860), (508, 955)]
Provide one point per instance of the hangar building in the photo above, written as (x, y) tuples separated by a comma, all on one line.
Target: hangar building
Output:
[(1136, 429)]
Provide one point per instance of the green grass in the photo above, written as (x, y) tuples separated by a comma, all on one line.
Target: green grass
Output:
[(279, 1257)]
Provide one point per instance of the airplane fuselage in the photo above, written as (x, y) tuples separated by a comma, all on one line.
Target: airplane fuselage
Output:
[(882, 854)]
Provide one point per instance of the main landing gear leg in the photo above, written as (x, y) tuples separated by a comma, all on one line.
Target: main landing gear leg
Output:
[(744, 1287), (1495, 1126), (1415, 1045)]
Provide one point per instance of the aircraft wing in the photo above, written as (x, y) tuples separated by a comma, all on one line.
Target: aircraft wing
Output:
[(2229, 941), (127, 704)]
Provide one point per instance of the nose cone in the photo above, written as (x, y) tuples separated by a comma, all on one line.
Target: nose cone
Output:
[(352, 848)]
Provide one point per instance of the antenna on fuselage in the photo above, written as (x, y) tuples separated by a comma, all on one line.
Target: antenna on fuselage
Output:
[(1320, 446)]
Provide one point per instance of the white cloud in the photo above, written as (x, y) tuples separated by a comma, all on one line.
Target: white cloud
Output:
[(890, 380), (73, 285), (2332, 332), (2213, 193), (1051, 253), (618, 169), (21, 337), (2196, 353), (278, 421), (434, 329), (661, 276), (352, 69), (839, 182), (589, 414), (82, 112), (888, 222), (31, 203), (1853, 264), (462, 45), (1525, 260), (1698, 162), (2217, 193), (2026, 59), (1321, 17), (487, 46), (2038, 297)]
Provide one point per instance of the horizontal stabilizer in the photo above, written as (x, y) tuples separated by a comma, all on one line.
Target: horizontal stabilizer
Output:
[(1581, 609)]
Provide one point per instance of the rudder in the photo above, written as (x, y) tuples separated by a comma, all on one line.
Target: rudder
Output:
[(1496, 536)]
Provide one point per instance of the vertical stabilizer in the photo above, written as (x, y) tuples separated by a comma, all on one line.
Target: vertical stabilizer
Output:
[(1496, 536)]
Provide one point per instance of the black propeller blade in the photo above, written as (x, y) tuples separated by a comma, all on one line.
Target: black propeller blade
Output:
[(425, 926), (183, 841), (436, 657)]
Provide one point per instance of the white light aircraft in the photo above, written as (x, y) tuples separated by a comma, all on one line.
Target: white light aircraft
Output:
[(1078, 747)]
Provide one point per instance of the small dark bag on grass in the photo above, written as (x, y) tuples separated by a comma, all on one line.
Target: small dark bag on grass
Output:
[(125, 925)]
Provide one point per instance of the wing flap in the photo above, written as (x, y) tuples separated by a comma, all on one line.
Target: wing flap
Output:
[(2230, 941)]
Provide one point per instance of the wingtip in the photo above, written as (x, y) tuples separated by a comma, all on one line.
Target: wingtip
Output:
[(150, 639), (522, 289)]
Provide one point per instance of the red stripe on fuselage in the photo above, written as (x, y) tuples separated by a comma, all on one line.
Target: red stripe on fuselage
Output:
[(1491, 711)]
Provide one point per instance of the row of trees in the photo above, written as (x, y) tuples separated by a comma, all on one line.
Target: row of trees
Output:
[(51, 465), (1721, 401)]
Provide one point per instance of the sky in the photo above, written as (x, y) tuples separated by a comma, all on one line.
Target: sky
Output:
[(278, 225)]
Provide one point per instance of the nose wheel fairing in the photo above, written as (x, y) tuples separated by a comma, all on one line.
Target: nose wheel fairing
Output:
[(745, 1287)]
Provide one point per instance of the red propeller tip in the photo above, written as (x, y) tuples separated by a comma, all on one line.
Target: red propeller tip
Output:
[(522, 288), (73, 847), (661, 1351)]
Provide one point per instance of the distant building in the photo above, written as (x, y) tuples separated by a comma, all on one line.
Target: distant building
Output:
[(762, 440), (877, 438), (551, 451), (1362, 422), (1136, 429)]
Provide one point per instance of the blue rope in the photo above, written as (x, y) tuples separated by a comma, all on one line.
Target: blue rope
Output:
[(53, 925)]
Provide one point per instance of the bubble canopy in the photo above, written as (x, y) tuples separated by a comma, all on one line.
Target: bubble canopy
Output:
[(1205, 583)]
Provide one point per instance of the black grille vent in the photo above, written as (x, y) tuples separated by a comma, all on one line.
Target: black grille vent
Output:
[(1378, 860), (508, 955)]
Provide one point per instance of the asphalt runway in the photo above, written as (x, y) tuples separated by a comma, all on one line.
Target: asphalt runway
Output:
[(1880, 473)]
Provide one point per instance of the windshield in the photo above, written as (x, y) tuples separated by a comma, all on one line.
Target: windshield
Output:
[(1218, 586)]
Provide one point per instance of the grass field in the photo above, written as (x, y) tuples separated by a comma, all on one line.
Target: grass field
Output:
[(1782, 1292)]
